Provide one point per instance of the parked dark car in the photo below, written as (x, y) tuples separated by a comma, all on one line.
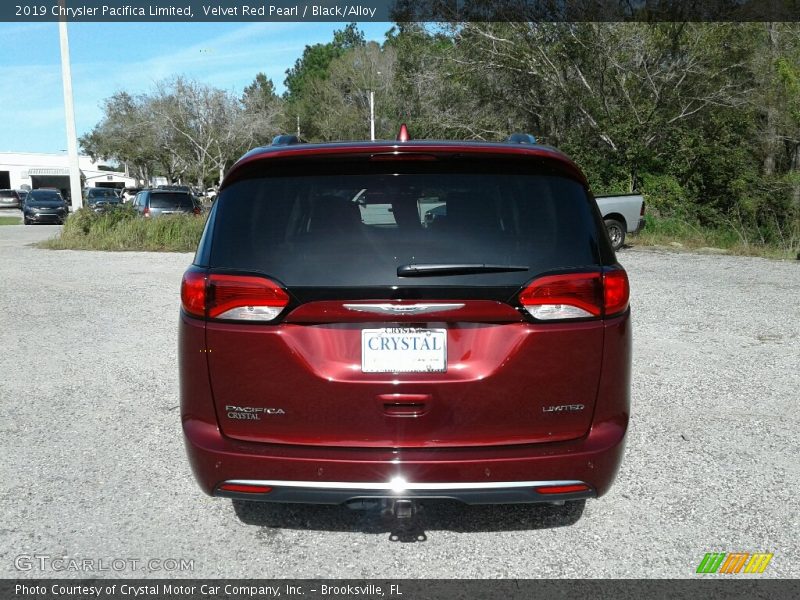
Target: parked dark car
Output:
[(10, 199), (101, 199), (341, 343), (44, 206), (158, 202)]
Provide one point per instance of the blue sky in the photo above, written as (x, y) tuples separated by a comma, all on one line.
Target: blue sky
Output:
[(109, 57)]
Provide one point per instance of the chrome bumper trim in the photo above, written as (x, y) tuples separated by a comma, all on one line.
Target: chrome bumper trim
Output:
[(399, 486)]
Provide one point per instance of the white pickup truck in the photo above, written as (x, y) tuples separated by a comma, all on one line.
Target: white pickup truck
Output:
[(622, 214)]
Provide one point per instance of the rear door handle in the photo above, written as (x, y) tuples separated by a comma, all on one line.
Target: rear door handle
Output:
[(404, 405)]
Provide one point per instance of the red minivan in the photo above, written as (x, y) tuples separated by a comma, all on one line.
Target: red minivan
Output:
[(405, 320)]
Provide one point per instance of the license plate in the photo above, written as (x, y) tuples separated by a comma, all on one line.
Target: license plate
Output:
[(403, 350)]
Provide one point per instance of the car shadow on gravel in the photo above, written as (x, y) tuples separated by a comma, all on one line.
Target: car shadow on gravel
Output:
[(439, 515)]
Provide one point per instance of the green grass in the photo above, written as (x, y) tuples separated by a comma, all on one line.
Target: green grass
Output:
[(10, 220), (123, 230), (662, 231)]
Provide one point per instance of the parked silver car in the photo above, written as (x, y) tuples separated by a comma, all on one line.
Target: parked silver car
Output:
[(154, 203), (10, 199)]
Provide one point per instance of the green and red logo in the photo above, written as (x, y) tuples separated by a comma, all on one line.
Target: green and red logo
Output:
[(734, 562)]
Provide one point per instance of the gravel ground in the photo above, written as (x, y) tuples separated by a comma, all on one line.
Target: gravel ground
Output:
[(93, 463)]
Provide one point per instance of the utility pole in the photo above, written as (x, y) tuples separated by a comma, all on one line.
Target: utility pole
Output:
[(372, 115), (69, 114)]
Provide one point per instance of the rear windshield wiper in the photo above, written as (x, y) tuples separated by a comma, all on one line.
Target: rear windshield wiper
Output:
[(432, 270)]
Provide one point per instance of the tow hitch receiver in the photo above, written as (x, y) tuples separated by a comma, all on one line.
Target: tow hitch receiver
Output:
[(402, 509), (405, 513), (401, 515)]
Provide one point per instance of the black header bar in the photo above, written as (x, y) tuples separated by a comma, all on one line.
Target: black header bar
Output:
[(703, 586), (398, 10)]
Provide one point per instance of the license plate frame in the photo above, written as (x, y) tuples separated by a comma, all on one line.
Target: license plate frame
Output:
[(400, 354)]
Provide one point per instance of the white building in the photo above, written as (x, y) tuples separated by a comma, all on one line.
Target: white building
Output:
[(26, 170)]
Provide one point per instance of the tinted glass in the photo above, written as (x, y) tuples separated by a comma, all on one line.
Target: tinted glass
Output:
[(170, 201), (356, 229), (102, 193), (8, 194), (42, 195)]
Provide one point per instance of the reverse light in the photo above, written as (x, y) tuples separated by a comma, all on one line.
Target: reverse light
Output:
[(246, 488), (244, 298), (232, 297), (573, 296), (577, 295)]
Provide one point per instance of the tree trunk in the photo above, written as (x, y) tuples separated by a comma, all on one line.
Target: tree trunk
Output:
[(795, 170), (771, 141)]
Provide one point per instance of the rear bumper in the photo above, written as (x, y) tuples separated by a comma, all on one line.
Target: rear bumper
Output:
[(331, 492), (639, 225), (472, 475)]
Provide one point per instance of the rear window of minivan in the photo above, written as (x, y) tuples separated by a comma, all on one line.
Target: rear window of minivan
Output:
[(170, 200), (355, 228)]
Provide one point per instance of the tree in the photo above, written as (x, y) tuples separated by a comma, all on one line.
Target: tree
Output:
[(262, 111), (127, 135), (184, 129), (344, 94), (307, 73), (316, 59), (627, 86), (205, 122)]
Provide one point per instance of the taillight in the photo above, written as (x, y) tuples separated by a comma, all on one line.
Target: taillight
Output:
[(573, 296), (193, 293), (146, 211), (641, 212), (576, 295), (616, 292), (244, 298), (233, 297), (196, 210)]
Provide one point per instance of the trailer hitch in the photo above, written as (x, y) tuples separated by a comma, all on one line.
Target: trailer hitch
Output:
[(406, 526)]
